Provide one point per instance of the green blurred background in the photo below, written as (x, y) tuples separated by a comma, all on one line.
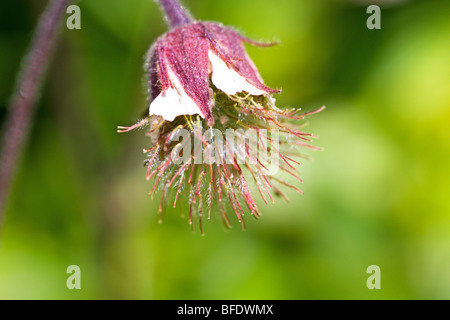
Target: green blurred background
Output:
[(377, 195)]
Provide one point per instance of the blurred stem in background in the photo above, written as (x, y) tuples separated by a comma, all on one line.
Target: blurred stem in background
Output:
[(26, 93)]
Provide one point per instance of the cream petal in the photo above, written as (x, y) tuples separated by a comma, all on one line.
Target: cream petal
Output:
[(173, 102), (228, 80)]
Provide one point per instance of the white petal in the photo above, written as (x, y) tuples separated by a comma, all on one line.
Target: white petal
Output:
[(228, 80), (173, 102)]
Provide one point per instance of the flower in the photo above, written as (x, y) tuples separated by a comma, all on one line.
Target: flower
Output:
[(205, 91), (181, 62)]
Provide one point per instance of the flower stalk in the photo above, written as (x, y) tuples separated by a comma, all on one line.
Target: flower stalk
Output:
[(176, 15), (26, 93)]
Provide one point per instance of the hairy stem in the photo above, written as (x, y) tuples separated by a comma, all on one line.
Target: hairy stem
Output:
[(29, 82), (176, 15)]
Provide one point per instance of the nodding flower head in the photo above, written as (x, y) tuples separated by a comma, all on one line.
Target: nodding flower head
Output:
[(216, 133), (183, 62)]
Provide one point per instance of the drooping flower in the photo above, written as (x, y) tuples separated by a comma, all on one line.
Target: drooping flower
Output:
[(205, 90), (181, 63)]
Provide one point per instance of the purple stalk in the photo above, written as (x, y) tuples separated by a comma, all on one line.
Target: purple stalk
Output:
[(29, 82), (176, 15)]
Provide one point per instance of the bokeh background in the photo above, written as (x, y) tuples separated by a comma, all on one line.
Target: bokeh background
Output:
[(379, 193)]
